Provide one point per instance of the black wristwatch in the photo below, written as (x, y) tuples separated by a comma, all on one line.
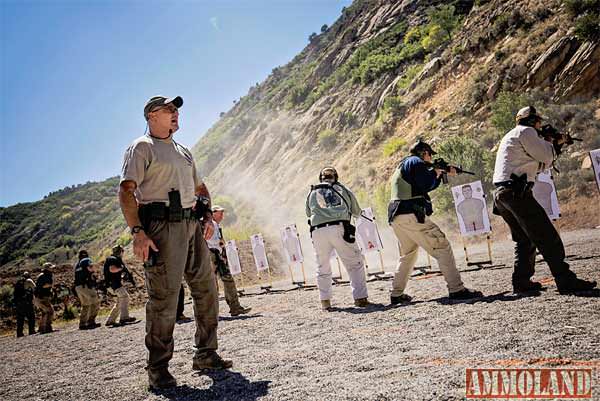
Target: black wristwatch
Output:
[(136, 229)]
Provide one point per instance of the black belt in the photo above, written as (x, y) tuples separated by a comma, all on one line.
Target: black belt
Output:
[(509, 184), (159, 211), (330, 223)]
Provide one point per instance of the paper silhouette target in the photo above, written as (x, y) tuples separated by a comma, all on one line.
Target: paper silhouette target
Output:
[(545, 193), (291, 244), (471, 210), (367, 232), (258, 250), (595, 156), (233, 258)]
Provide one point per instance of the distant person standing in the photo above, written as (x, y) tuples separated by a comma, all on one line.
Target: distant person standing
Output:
[(158, 195), (23, 300), (216, 245), (114, 268), (330, 207), (85, 286), (43, 298)]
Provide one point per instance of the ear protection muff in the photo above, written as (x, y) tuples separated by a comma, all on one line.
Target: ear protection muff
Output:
[(322, 177)]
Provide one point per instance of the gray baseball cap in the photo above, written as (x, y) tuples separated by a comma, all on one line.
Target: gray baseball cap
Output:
[(157, 101)]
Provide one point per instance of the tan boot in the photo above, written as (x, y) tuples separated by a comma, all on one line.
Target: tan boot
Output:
[(210, 360), (326, 305), (160, 378), (362, 302)]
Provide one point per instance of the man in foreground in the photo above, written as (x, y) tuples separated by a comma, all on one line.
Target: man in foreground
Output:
[(522, 154), (158, 192), (408, 214)]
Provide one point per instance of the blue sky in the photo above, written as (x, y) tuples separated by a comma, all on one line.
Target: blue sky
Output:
[(75, 75)]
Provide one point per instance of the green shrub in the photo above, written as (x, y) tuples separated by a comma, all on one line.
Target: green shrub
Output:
[(374, 133), (445, 18), (465, 152), (409, 74), (6, 296), (327, 138), (70, 312), (393, 107), (588, 27), (392, 146), (505, 108), (578, 7)]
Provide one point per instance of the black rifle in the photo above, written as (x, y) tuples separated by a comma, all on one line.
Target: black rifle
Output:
[(127, 276), (441, 164), (549, 132)]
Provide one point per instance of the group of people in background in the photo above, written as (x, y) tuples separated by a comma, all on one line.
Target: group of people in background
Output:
[(523, 153)]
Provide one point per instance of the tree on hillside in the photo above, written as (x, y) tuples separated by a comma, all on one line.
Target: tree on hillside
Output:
[(312, 37), (324, 28), (444, 17)]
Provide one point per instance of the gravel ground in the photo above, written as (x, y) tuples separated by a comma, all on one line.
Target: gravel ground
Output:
[(290, 350)]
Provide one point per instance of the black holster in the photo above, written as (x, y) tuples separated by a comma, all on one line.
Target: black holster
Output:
[(420, 213), (349, 232), (519, 185)]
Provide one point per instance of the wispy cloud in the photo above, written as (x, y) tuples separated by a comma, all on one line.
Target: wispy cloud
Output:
[(214, 21)]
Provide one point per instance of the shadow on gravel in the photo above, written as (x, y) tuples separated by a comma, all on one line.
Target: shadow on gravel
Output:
[(357, 311), (227, 385), (241, 317), (501, 296)]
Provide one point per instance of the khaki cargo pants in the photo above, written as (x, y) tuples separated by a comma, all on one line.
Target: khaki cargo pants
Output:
[(412, 235), (121, 308), (229, 287), (90, 305), (47, 312), (182, 252)]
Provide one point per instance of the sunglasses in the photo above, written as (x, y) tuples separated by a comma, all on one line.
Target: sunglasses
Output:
[(168, 108)]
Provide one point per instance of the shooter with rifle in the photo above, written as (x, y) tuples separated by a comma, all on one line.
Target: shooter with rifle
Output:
[(114, 272), (525, 151), (408, 214)]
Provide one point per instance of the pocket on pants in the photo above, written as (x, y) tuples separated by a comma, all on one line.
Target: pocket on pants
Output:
[(156, 280), (436, 238)]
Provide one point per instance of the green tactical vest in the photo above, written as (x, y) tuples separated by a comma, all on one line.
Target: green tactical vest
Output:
[(401, 189)]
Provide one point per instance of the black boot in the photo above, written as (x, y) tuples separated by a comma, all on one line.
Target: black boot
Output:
[(527, 286), (574, 285)]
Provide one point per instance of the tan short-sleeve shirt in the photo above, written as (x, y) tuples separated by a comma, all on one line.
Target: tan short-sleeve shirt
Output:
[(157, 166)]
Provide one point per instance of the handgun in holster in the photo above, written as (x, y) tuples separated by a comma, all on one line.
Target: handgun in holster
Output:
[(420, 213), (175, 213), (519, 185)]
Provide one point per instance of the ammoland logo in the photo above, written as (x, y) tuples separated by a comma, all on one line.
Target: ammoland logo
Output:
[(529, 383)]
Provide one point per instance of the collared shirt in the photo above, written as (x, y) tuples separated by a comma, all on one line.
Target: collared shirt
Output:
[(522, 151), (157, 166)]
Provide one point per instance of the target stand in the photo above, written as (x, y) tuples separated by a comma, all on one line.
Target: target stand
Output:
[(421, 270), (379, 275), (481, 263)]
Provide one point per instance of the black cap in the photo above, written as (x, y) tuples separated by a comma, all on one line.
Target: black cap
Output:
[(420, 147), (156, 101)]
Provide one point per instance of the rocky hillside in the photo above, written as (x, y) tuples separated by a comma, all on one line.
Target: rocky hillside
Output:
[(388, 71), (356, 97), (54, 228)]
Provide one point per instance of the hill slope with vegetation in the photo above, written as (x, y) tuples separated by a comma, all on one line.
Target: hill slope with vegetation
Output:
[(387, 72)]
